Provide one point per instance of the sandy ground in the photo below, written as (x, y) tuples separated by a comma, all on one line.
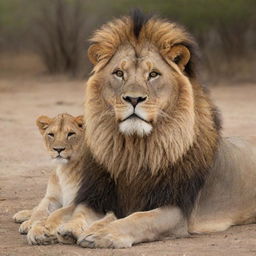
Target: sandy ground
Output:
[(24, 166)]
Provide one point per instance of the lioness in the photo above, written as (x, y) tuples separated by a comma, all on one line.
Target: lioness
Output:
[(63, 136), (154, 152)]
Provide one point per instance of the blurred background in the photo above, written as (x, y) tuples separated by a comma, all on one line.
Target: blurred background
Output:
[(50, 37)]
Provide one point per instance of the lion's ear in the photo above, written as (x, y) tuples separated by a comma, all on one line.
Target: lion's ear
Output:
[(180, 55), (98, 53), (43, 123), (94, 53), (80, 121)]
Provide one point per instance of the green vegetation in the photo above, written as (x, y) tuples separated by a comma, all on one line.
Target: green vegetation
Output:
[(224, 29)]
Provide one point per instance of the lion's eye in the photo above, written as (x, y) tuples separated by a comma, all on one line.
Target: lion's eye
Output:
[(153, 74), (119, 73), (51, 135), (71, 134)]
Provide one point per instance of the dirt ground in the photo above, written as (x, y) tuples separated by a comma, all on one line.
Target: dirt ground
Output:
[(24, 166)]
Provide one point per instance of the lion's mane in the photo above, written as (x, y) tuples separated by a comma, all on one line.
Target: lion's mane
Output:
[(128, 173)]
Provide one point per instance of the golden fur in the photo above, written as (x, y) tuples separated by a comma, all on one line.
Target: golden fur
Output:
[(62, 132), (176, 121), (156, 157), (66, 132)]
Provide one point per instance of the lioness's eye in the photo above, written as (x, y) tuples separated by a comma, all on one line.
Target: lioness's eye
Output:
[(119, 73), (71, 133), (153, 74), (51, 135)]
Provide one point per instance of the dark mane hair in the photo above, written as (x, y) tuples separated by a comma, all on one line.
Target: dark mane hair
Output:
[(139, 19)]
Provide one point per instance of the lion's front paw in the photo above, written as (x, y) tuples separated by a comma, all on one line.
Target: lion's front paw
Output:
[(25, 227), (40, 234), (69, 232), (22, 216), (104, 238)]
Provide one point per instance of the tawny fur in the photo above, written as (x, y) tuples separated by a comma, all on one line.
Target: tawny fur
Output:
[(175, 132), (56, 207), (146, 178)]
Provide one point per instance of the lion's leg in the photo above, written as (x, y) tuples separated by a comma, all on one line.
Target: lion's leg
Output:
[(22, 216), (213, 226), (109, 217), (48, 204), (221, 221), (137, 227), (99, 224), (41, 212), (45, 231), (82, 218)]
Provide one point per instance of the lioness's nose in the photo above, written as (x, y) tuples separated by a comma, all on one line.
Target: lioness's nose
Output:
[(59, 149), (134, 100)]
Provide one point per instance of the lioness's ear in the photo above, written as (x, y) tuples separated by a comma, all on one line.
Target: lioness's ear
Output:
[(43, 123), (80, 121), (94, 54), (180, 55)]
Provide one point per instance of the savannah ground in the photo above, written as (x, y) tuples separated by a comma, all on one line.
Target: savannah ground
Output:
[(25, 167)]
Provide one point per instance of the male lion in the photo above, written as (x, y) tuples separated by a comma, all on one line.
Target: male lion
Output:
[(154, 153), (63, 136)]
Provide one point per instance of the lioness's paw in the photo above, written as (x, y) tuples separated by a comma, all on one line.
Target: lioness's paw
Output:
[(69, 232), (104, 239), (22, 216), (25, 227), (39, 234)]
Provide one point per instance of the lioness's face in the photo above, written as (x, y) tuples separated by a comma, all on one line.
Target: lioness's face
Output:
[(63, 136), (138, 89)]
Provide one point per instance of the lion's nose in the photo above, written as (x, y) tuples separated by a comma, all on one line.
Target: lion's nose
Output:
[(59, 149), (134, 100)]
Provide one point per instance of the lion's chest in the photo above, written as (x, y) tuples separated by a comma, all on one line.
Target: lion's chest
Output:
[(68, 188), (103, 193), (143, 193)]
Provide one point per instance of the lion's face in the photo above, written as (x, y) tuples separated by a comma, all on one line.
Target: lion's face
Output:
[(63, 136), (144, 107), (138, 89)]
